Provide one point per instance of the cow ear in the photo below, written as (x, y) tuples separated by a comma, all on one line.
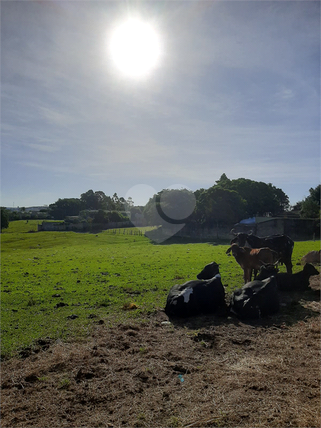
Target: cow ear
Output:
[(232, 232), (229, 250)]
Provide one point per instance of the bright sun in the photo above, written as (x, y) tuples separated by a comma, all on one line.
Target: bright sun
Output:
[(135, 48)]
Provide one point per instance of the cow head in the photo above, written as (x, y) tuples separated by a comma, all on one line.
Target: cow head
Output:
[(310, 270), (209, 271), (240, 238), (235, 249), (266, 271)]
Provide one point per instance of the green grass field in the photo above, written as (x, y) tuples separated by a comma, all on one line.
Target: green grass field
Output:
[(95, 276)]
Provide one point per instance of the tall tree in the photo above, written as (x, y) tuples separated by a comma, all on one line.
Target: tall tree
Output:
[(4, 218), (173, 204), (219, 205), (65, 207), (118, 202), (310, 206), (90, 200), (260, 197), (96, 201)]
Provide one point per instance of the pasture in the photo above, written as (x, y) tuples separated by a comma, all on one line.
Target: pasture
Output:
[(57, 284), (85, 341)]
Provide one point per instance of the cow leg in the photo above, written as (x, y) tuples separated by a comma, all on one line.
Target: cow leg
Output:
[(244, 276), (288, 265), (247, 275)]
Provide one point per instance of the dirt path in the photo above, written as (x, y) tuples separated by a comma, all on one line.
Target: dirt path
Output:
[(199, 372)]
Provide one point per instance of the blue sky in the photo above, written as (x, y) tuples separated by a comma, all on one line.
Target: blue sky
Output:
[(236, 91)]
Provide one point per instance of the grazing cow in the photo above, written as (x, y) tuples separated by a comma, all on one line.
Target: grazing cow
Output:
[(256, 299), (282, 244), (198, 296), (290, 282), (252, 259), (313, 257)]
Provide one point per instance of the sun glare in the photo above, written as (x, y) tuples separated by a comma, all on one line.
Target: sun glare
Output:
[(135, 48)]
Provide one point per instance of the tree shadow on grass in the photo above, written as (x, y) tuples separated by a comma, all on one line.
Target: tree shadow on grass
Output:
[(178, 240)]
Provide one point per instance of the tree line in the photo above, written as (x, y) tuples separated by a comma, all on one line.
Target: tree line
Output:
[(88, 201), (230, 201), (226, 202)]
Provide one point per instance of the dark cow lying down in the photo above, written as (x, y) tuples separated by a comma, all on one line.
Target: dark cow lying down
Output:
[(290, 282), (256, 299), (201, 296)]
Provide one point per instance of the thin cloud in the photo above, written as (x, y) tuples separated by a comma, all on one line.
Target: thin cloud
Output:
[(237, 92)]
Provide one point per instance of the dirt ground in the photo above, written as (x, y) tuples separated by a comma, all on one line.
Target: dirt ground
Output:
[(201, 372)]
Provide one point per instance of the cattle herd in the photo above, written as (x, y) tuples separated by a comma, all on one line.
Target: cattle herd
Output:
[(258, 297)]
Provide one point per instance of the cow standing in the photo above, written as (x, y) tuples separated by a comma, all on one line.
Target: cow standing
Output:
[(252, 259), (282, 244)]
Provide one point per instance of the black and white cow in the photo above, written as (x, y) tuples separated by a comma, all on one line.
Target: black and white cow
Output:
[(201, 296), (256, 299), (209, 271)]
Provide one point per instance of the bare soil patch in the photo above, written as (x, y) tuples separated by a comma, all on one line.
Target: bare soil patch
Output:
[(200, 372)]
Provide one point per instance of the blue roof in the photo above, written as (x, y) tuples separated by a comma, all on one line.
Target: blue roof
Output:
[(248, 221)]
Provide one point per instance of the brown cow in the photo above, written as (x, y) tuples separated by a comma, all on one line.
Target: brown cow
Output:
[(252, 259), (312, 257)]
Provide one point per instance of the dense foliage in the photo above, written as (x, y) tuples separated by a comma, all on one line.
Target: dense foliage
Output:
[(310, 206), (65, 207), (99, 201), (218, 205), (227, 202), (103, 217), (4, 218), (260, 197), (89, 200), (175, 204)]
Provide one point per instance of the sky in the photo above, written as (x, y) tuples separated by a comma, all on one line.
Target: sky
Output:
[(236, 90)]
